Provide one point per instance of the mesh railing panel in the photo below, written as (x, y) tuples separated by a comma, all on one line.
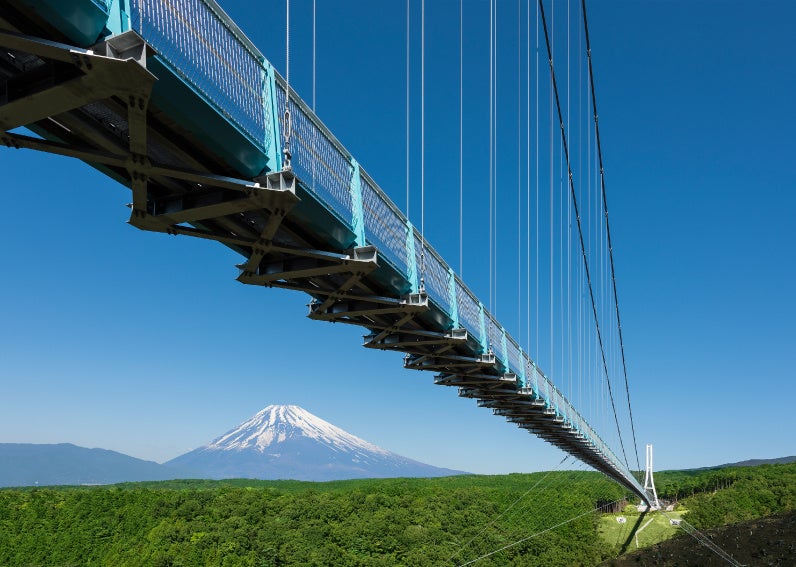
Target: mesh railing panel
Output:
[(544, 386), (205, 52), (316, 159), (514, 361), (384, 227), (494, 334), (436, 278), (468, 310)]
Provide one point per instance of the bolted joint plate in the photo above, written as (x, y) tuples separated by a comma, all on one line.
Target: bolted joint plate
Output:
[(487, 359), (278, 181), (415, 300), (126, 45), (365, 254), (458, 334)]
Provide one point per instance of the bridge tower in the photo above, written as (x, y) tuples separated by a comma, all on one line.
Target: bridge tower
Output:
[(649, 482)]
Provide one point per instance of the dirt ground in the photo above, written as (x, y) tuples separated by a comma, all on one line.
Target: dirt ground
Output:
[(767, 541)]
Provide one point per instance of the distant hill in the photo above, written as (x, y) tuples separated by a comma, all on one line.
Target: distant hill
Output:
[(25, 464), (749, 463), (757, 462), (288, 442)]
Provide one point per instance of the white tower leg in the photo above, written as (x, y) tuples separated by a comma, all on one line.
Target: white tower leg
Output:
[(649, 482)]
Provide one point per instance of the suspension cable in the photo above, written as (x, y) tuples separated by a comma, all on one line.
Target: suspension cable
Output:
[(552, 234), (491, 162), (608, 226), (314, 42), (528, 177), (461, 138), (568, 302), (537, 267), (288, 123), (313, 55), (422, 146), (407, 111), (580, 229), (495, 170), (519, 171)]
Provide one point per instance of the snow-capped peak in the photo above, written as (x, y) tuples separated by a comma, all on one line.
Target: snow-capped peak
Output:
[(278, 423)]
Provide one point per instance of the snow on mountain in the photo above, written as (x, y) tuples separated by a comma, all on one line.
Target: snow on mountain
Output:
[(277, 424), (288, 442)]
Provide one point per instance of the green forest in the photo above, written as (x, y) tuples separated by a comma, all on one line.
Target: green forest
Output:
[(443, 521)]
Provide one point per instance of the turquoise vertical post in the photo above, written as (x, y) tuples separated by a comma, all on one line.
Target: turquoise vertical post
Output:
[(547, 391), (482, 322), (357, 212), (504, 350), (411, 259), (118, 17), (271, 117), (523, 375), (452, 299)]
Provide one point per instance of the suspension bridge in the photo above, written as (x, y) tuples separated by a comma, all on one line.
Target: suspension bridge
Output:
[(171, 99)]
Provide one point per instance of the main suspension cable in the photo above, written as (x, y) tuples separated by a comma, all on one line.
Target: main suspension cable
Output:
[(608, 226), (580, 229)]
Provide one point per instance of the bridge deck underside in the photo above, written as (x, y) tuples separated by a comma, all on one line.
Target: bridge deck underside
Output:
[(98, 108)]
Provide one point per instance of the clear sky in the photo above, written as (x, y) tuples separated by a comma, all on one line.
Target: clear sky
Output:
[(145, 344)]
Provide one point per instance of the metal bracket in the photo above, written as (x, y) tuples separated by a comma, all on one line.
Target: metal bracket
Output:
[(415, 342)]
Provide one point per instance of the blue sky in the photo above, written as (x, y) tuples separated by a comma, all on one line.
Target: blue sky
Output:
[(146, 344)]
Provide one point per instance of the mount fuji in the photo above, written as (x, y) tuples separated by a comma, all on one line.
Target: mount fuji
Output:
[(288, 442)]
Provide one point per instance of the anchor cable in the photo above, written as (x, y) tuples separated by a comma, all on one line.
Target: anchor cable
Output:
[(510, 506)]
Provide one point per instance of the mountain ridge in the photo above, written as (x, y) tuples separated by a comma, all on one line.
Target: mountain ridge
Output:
[(47, 464), (755, 463)]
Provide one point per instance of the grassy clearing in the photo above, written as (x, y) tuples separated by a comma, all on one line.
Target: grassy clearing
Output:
[(638, 530)]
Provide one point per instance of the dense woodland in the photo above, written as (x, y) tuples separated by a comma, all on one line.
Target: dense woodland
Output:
[(731, 495), (446, 521)]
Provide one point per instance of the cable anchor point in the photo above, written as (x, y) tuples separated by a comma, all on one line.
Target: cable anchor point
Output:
[(286, 166)]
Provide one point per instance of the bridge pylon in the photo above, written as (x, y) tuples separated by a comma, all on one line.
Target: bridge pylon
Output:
[(649, 481)]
